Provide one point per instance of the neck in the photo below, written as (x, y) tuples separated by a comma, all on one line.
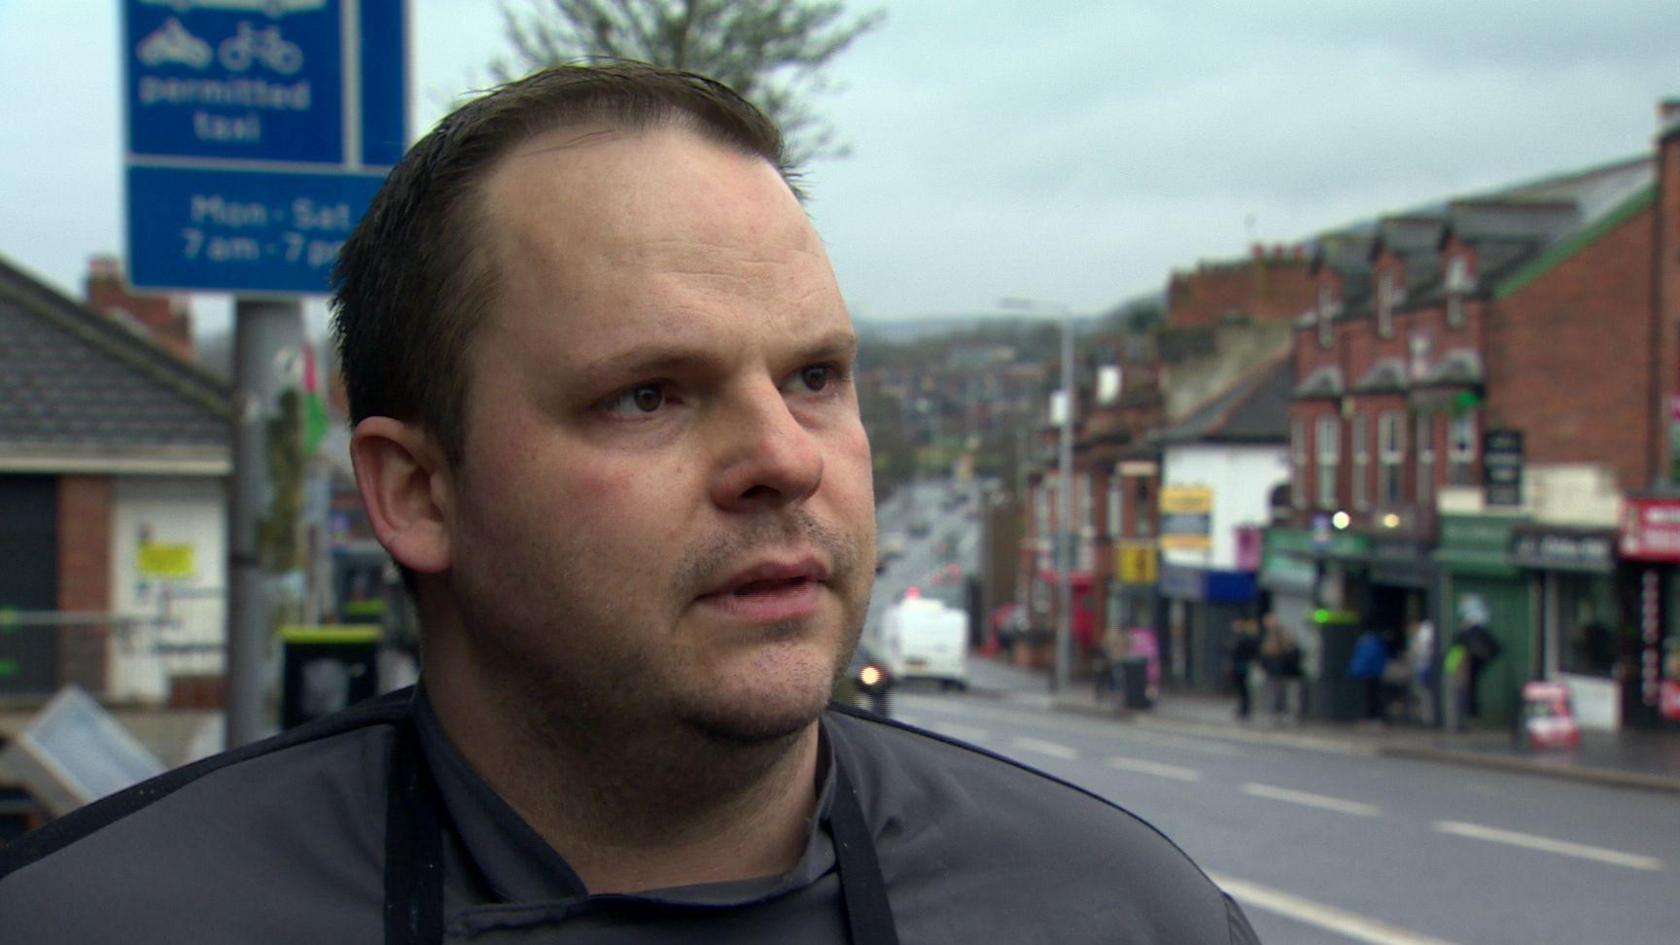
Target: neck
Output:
[(642, 806)]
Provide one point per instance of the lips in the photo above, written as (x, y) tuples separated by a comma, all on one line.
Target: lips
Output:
[(770, 577), (769, 591)]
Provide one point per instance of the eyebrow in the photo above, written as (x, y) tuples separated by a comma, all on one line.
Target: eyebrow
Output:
[(674, 357)]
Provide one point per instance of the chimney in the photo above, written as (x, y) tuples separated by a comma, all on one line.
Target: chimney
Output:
[(164, 319), (1668, 117)]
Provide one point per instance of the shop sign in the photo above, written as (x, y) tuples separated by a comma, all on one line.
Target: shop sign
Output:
[(1249, 548), (1404, 563), (1650, 637), (1502, 468), (1136, 564), (1563, 550), (1477, 533), (166, 561), (1183, 583), (1187, 518), (1651, 529)]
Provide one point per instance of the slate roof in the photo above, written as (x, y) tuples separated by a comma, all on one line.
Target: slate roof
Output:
[(1254, 409), (75, 385), (1510, 227)]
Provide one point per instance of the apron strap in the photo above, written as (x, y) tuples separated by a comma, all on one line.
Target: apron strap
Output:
[(413, 847), (863, 891), (414, 855)]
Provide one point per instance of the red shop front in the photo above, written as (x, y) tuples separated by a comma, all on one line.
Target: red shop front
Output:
[(1648, 667)]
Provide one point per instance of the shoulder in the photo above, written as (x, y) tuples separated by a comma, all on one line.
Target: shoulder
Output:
[(254, 826), (954, 820)]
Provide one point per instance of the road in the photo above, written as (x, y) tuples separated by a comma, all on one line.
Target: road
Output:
[(1327, 847), (1330, 848)]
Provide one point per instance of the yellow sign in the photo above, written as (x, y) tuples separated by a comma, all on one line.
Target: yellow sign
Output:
[(1136, 564), (1187, 518), (1186, 500), (159, 560)]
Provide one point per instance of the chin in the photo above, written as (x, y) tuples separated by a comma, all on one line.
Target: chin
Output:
[(762, 709)]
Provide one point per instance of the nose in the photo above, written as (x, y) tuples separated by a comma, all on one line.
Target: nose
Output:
[(769, 459)]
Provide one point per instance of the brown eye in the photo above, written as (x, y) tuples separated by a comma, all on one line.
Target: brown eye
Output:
[(648, 398), (816, 377)]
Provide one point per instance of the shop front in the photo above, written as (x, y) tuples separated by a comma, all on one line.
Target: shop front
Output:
[(1317, 581), (1474, 561), (1586, 612), (1648, 661), (1202, 604)]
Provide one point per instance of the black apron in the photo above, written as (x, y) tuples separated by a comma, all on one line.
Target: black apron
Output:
[(414, 855)]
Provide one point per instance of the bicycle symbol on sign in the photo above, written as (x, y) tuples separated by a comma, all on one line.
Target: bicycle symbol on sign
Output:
[(264, 45)]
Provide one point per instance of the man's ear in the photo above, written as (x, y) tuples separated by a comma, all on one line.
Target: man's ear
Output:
[(405, 487)]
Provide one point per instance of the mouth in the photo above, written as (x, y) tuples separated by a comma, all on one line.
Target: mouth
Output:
[(770, 591)]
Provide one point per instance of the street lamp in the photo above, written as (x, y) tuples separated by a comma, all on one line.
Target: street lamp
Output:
[(1064, 494)]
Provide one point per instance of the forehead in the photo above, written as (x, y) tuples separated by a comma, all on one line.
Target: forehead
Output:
[(647, 223)]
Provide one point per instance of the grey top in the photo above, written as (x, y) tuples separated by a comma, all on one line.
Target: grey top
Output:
[(284, 841)]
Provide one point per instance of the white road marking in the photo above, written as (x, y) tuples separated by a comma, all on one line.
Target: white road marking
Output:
[(1319, 801), (1546, 844), (1340, 921), (1042, 747), (1155, 768)]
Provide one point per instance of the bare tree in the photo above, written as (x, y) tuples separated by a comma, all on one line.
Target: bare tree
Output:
[(773, 52)]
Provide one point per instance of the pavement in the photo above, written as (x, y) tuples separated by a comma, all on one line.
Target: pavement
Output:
[(1637, 759)]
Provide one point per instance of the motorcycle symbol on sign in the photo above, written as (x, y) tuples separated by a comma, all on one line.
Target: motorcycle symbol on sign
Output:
[(172, 43), (264, 45)]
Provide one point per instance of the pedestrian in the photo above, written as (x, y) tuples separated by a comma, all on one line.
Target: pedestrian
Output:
[(1245, 649), (1479, 648), (1280, 659), (1420, 654), (1370, 658), (601, 380)]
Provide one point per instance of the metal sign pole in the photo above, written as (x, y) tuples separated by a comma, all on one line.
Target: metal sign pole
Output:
[(268, 340)]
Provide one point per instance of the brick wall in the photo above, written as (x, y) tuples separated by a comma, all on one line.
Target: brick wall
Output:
[(1667, 235), (1569, 357), (84, 577), (1276, 284)]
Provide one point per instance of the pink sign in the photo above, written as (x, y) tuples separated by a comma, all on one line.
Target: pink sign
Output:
[(1651, 529)]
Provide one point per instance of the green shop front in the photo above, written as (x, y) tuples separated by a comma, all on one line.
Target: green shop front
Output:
[(1473, 555), (1315, 579)]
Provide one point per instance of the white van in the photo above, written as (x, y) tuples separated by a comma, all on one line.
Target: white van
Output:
[(924, 639)]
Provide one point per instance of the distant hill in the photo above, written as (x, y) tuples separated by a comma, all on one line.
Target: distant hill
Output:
[(910, 330)]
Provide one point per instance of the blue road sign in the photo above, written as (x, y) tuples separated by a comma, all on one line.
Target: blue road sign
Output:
[(266, 105), (269, 231)]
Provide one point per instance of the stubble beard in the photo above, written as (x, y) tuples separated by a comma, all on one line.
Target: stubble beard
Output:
[(599, 692)]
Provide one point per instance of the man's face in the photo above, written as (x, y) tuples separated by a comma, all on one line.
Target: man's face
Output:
[(664, 513)]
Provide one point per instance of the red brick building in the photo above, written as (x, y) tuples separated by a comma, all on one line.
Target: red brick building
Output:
[(1532, 321)]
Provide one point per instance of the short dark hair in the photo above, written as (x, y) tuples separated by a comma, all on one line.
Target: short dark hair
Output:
[(413, 282)]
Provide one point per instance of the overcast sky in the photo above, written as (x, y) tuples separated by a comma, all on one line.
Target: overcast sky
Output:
[(1073, 150)]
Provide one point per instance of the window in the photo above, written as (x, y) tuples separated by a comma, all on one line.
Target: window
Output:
[(1387, 296), (1298, 463), (1462, 450), (1116, 496), (1329, 449), (1361, 463), (1458, 283), (1425, 459), (1325, 314), (1391, 452)]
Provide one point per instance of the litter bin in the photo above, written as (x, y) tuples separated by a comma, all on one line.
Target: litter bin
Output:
[(325, 669), (1134, 682)]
